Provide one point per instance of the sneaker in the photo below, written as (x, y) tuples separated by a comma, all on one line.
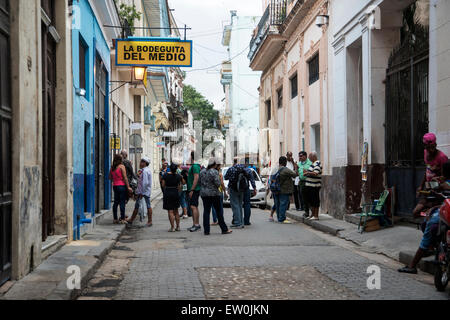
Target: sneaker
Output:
[(306, 215), (286, 222), (237, 227), (195, 228), (313, 219), (408, 270)]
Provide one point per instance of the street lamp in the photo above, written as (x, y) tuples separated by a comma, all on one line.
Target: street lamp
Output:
[(161, 131), (139, 73)]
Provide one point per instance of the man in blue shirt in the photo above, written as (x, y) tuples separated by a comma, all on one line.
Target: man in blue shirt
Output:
[(239, 177)]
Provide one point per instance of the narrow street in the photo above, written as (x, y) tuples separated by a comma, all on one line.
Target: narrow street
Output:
[(264, 261)]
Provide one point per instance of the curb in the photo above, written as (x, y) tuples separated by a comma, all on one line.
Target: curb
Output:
[(318, 225), (49, 280), (425, 265)]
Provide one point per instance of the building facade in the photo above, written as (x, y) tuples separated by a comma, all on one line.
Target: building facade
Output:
[(241, 84), (379, 112), (91, 46), (35, 132), (291, 50)]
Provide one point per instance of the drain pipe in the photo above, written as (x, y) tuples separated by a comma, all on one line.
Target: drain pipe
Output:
[(81, 222)]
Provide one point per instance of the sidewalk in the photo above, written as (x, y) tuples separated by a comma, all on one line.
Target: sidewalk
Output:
[(49, 280), (399, 243)]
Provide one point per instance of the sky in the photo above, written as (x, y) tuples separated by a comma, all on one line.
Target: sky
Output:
[(207, 18)]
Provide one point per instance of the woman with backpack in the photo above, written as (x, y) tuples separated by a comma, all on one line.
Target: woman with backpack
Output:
[(210, 184), (118, 175)]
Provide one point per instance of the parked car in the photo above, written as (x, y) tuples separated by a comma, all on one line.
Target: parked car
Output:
[(260, 199)]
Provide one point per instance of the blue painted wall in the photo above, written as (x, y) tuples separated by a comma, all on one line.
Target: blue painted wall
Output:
[(84, 111)]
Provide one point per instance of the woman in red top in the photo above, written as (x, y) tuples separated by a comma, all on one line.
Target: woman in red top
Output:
[(121, 187)]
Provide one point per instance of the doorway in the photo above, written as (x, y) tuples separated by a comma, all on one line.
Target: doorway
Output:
[(87, 156), (5, 146), (100, 138), (48, 120)]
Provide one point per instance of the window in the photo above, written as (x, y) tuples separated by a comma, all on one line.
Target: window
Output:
[(313, 69), (268, 111), (280, 98), (294, 86), (82, 64)]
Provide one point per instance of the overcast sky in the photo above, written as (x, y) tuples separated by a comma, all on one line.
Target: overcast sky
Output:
[(207, 18)]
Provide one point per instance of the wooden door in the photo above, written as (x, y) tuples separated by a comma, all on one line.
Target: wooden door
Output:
[(5, 146), (48, 120), (100, 134)]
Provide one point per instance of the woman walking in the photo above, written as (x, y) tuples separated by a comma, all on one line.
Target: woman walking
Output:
[(210, 184), (223, 192), (171, 183), (183, 195), (118, 175)]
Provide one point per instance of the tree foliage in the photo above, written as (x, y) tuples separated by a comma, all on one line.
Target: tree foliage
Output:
[(129, 14), (201, 108)]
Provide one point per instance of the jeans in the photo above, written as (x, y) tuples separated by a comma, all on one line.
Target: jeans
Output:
[(296, 197), (304, 197), (247, 207), (213, 202), (237, 200), (281, 203), (120, 198), (214, 212)]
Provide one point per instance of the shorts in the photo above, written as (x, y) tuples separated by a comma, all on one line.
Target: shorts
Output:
[(183, 200), (313, 196), (193, 202), (147, 202), (430, 230)]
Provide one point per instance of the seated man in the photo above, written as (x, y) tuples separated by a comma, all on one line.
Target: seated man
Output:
[(431, 225)]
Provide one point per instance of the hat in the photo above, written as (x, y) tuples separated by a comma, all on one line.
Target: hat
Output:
[(212, 161), (145, 159), (429, 138)]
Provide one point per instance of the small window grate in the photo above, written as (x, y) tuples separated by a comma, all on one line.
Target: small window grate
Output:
[(313, 69)]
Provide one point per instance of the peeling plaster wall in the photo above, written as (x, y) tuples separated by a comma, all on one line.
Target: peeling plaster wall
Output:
[(26, 133)]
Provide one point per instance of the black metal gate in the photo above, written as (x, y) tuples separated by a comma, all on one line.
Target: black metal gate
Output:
[(5, 146), (407, 117)]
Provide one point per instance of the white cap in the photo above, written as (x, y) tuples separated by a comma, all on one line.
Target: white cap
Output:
[(145, 159)]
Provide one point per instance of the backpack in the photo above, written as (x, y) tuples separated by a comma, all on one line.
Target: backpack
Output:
[(275, 183), (240, 181)]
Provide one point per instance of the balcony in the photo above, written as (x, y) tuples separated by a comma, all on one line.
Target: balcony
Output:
[(268, 38)]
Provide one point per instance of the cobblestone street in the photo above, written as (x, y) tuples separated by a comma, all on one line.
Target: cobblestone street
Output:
[(263, 261)]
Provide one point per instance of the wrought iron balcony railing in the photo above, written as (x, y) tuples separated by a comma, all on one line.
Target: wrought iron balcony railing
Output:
[(275, 15)]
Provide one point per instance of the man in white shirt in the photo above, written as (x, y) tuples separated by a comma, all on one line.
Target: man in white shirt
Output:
[(144, 191)]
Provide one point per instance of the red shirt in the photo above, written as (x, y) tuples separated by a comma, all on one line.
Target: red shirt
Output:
[(434, 166)]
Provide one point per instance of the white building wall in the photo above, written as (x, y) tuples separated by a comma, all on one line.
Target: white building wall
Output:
[(439, 103)]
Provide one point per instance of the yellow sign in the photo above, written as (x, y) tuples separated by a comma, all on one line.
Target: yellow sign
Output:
[(151, 52), (115, 143)]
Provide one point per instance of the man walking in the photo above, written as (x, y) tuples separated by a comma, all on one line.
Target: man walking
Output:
[(239, 177), (291, 166), (194, 192), (144, 191), (286, 189), (303, 165)]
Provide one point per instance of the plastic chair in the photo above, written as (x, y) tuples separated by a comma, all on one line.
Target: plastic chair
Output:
[(373, 210)]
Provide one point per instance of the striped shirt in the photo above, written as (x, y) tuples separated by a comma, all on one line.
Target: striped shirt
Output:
[(315, 181)]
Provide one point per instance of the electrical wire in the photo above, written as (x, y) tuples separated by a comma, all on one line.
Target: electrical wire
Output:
[(219, 64)]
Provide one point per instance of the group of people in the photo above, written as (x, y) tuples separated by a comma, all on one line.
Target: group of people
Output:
[(301, 180), (184, 188), (126, 186)]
